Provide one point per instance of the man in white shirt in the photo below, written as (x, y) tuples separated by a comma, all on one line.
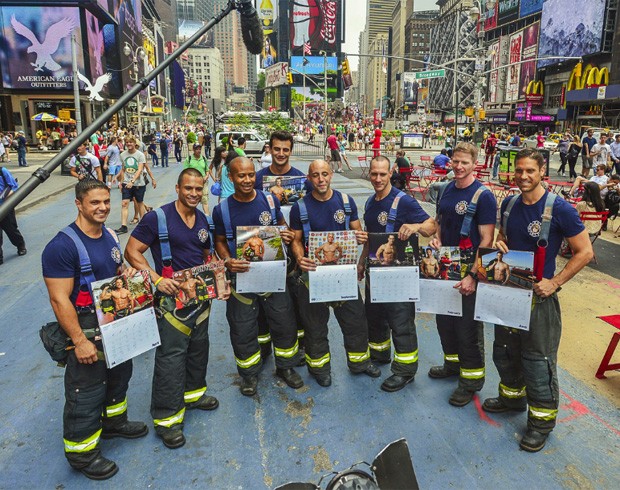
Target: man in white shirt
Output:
[(600, 178), (601, 152), (85, 165), (615, 154)]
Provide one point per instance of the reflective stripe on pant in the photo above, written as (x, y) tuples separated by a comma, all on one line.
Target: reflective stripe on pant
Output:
[(352, 321), (94, 396), (399, 319), (527, 363), (463, 336), (180, 366), (242, 318)]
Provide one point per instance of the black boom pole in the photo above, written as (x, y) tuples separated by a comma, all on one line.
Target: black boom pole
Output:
[(42, 174)]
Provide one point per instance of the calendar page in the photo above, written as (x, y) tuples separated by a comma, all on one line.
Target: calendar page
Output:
[(512, 269), (332, 247), (121, 296), (130, 336), (333, 283), (260, 243), (394, 284), (287, 188), (439, 297), (387, 250), (502, 305), (196, 285), (263, 277)]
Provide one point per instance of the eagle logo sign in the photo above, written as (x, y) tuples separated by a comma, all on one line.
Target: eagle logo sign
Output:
[(95, 89), (49, 46)]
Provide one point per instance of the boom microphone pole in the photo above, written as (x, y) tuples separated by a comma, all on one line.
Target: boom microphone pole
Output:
[(252, 38)]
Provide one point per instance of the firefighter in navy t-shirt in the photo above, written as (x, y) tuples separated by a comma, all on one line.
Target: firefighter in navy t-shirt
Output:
[(180, 372), (326, 211), (410, 218), (461, 337), (526, 360), (95, 396), (249, 207)]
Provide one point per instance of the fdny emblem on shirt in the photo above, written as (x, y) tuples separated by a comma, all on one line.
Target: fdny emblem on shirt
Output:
[(534, 229), (339, 216), (116, 255), (202, 235), (265, 218), (461, 207), (382, 218)]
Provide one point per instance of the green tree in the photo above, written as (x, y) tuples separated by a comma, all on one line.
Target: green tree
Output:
[(261, 81)]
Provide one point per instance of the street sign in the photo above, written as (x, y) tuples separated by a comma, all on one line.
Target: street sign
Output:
[(420, 75)]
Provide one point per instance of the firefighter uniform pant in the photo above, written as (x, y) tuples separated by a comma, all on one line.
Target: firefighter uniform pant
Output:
[(352, 321), (462, 341), (399, 318), (180, 373), (95, 398), (527, 364), (242, 313)]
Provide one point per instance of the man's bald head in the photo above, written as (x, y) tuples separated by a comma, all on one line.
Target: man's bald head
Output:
[(238, 163), (319, 166)]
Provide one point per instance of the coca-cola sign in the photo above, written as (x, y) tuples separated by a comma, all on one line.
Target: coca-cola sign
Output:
[(315, 22)]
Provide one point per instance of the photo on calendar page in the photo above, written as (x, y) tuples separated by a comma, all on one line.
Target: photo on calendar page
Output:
[(444, 264), (514, 269), (122, 296), (260, 243), (288, 189), (387, 250), (333, 247)]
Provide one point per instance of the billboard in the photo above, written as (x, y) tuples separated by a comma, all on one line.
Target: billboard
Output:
[(410, 91), (316, 22), (275, 75), (529, 7), (128, 14), (529, 52), (313, 94), (494, 75), (269, 54), (514, 70), (314, 66), (35, 52), (187, 28), (490, 17), (569, 29), (507, 11)]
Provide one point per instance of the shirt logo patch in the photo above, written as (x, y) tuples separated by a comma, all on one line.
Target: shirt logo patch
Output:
[(534, 229), (461, 207), (265, 218), (202, 235), (382, 218), (116, 255), (339, 216)]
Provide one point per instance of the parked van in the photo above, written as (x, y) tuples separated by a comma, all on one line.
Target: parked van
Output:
[(254, 141)]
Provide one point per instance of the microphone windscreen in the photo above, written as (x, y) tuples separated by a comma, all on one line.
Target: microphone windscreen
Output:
[(252, 32)]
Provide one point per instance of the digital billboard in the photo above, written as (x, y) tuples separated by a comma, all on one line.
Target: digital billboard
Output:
[(35, 52), (128, 14), (514, 70), (314, 65), (312, 93), (187, 28), (490, 17), (410, 90), (269, 54), (494, 75), (507, 11), (529, 7), (529, 52), (316, 22), (569, 29)]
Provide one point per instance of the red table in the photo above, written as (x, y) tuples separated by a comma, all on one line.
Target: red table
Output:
[(614, 321)]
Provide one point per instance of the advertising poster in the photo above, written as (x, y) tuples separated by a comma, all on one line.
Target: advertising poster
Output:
[(128, 14), (494, 75), (35, 52), (507, 11), (315, 65), (570, 29), (490, 17), (410, 91), (529, 7), (530, 51), (269, 54), (187, 28), (514, 70), (316, 22)]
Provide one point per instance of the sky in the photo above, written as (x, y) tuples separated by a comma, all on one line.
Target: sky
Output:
[(356, 20)]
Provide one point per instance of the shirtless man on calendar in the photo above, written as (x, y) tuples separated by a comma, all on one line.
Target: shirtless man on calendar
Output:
[(386, 253), (429, 265), (330, 252), (501, 270)]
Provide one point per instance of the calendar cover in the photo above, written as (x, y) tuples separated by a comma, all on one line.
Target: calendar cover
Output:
[(260, 243), (387, 250), (444, 264), (513, 269), (333, 247), (121, 296), (288, 189), (197, 285)]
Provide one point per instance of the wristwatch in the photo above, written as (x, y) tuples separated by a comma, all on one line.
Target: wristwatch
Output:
[(473, 275)]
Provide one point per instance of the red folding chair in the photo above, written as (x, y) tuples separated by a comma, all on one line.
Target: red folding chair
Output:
[(599, 216), (363, 162), (614, 321), (426, 160), (414, 185)]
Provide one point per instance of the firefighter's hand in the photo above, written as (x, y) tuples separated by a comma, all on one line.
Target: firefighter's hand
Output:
[(545, 287), (361, 271), (237, 265), (361, 236), (501, 246), (168, 286), (225, 294), (85, 351), (466, 286), (405, 231), (129, 272), (287, 236), (306, 264), (435, 243)]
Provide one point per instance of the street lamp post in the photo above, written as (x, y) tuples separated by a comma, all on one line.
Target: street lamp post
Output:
[(136, 56), (324, 54), (76, 86)]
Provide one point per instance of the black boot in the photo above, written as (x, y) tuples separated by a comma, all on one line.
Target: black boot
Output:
[(99, 468), (533, 441), (396, 382)]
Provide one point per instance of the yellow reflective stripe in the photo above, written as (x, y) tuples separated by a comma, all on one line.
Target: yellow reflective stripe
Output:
[(359, 356), (508, 392), (83, 446), (300, 334), (250, 361), (115, 410), (194, 396), (451, 357), (317, 363), (472, 373), (287, 352), (175, 419), (241, 298), (264, 339), (181, 327), (543, 413), (406, 357), (380, 346)]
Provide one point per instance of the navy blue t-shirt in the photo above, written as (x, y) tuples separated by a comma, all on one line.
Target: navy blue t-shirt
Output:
[(324, 215), (589, 142), (254, 213), (292, 172), (452, 209), (187, 245), (60, 258), (409, 211), (524, 225)]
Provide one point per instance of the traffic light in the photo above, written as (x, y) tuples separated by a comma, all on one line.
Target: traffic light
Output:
[(482, 114), (289, 78), (345, 67)]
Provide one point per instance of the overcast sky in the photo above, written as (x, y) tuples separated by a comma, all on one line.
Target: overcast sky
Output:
[(356, 20)]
